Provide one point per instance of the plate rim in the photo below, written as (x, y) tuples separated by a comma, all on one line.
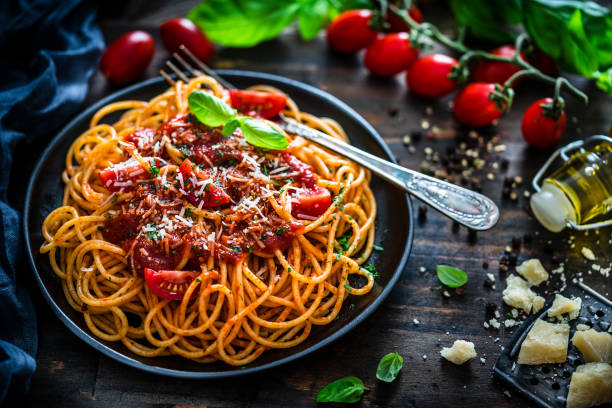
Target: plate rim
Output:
[(124, 359)]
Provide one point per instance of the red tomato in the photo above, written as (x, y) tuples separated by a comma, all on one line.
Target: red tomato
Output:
[(473, 107), (128, 57), (311, 203), (207, 194), (124, 176), (350, 31), (281, 237), (428, 76), (397, 25), (496, 72), (169, 284), (540, 130), (181, 31), (258, 104), (303, 170), (390, 54), (544, 62)]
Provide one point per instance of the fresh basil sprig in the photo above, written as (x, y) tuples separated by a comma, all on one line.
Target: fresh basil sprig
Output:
[(451, 276), (347, 389), (389, 367), (213, 112)]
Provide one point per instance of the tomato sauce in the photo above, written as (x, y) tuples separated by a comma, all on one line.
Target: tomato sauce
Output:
[(157, 226)]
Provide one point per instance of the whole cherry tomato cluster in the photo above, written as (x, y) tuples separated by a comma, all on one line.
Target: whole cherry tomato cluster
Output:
[(432, 76), (128, 57)]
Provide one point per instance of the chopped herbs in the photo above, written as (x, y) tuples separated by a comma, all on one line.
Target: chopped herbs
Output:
[(281, 231), (377, 248)]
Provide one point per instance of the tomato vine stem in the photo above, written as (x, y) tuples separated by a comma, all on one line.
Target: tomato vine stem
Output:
[(528, 70)]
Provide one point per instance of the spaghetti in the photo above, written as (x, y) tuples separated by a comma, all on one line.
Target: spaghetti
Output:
[(174, 239)]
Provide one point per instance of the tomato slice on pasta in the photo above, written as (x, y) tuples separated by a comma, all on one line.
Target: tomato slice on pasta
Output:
[(169, 284), (125, 176), (311, 203), (258, 104), (199, 189)]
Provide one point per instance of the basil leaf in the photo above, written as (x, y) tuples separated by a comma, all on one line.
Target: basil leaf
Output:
[(347, 389), (209, 109), (230, 127), (259, 133), (485, 18), (243, 23), (577, 34), (451, 276), (604, 80), (389, 367), (312, 18)]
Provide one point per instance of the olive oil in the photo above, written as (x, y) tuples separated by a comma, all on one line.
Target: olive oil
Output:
[(578, 191)]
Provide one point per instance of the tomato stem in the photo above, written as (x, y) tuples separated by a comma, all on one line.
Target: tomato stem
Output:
[(462, 72)]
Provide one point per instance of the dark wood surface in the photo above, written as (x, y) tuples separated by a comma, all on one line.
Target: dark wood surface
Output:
[(71, 374)]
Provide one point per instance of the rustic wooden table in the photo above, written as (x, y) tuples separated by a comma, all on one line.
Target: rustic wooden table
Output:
[(70, 373)]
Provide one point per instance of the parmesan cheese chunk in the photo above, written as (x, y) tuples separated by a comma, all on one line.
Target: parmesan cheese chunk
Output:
[(533, 271), (517, 294), (591, 385), (545, 343), (460, 352), (594, 346), (562, 305)]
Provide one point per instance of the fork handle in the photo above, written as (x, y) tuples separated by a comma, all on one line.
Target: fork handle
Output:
[(465, 206)]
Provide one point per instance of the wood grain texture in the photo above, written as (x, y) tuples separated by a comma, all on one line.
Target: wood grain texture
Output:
[(70, 374)]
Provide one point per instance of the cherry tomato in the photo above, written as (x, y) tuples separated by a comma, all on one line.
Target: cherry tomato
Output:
[(540, 130), (350, 31), (311, 203), (177, 31), (125, 175), (390, 54), (428, 76), (258, 104), (496, 72), (472, 105), (199, 189), (169, 284), (397, 25), (544, 62), (128, 57)]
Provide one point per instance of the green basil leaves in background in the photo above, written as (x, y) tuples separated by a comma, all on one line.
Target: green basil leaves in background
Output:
[(576, 34), (245, 23), (347, 389), (389, 367), (213, 112), (451, 276)]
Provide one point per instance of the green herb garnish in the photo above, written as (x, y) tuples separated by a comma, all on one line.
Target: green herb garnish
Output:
[(347, 389), (389, 367), (451, 276)]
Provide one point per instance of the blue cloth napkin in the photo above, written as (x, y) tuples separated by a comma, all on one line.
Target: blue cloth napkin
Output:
[(49, 51)]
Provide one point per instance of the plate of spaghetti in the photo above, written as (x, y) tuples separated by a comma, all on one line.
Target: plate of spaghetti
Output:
[(179, 230)]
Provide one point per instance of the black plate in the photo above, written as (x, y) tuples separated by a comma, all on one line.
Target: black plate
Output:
[(394, 229)]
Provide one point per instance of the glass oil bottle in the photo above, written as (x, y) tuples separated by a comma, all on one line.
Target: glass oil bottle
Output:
[(580, 190)]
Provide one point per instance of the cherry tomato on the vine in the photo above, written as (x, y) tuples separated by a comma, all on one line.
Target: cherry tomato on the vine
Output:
[(397, 25), (428, 76), (390, 54), (540, 130), (494, 71), (350, 31), (128, 57), (473, 107), (181, 31)]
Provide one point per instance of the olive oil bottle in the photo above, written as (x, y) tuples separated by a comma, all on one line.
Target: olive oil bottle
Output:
[(579, 191)]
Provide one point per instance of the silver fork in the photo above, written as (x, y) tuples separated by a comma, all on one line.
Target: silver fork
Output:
[(467, 207)]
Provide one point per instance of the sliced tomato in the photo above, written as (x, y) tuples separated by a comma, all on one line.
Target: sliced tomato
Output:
[(311, 203), (124, 176), (169, 284), (142, 139), (208, 194), (304, 171), (258, 104)]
